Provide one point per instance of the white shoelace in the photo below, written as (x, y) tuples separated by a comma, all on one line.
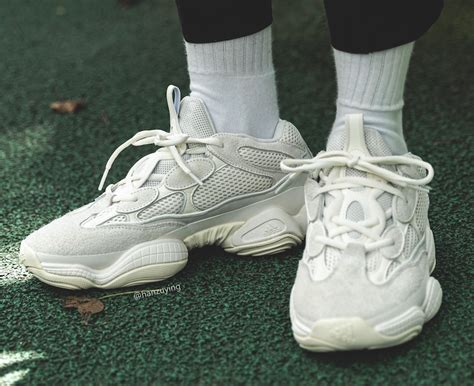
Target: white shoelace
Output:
[(173, 147), (371, 165)]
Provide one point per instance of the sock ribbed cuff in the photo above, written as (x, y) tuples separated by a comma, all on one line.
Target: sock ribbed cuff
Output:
[(373, 81), (248, 55)]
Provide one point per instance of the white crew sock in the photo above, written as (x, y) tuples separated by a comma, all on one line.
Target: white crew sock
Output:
[(236, 80), (373, 84)]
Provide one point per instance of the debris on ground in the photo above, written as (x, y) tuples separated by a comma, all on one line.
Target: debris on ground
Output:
[(67, 106), (86, 306)]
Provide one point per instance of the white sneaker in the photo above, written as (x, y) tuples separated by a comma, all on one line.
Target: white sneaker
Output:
[(200, 188), (364, 279)]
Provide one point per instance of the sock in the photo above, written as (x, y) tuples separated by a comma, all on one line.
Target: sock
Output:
[(236, 80), (373, 84)]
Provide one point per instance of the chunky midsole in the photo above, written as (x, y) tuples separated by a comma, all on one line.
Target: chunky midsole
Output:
[(264, 227)]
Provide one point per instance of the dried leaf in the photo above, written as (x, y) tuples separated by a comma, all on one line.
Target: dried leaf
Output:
[(67, 106), (93, 306), (72, 301), (85, 306)]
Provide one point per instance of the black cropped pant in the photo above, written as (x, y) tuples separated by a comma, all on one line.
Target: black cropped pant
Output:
[(356, 26)]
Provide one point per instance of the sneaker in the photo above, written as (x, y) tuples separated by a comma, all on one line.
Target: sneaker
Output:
[(364, 280), (200, 188)]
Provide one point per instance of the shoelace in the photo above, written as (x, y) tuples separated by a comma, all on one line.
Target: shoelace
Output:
[(173, 146), (371, 165)]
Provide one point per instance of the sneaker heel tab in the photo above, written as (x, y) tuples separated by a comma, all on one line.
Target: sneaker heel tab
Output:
[(173, 97)]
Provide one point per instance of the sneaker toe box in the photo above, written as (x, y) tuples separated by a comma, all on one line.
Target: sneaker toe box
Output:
[(352, 294), (66, 237)]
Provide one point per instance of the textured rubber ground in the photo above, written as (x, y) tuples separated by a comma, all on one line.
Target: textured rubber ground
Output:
[(230, 321)]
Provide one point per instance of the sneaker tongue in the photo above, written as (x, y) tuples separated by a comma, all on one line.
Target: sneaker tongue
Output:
[(194, 118), (195, 121), (363, 141), (356, 138)]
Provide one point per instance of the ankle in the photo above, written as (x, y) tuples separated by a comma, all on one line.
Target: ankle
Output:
[(387, 122)]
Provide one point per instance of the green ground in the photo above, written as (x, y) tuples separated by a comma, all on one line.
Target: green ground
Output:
[(230, 321)]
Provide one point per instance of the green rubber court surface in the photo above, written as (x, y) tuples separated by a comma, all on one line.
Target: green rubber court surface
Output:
[(229, 323)]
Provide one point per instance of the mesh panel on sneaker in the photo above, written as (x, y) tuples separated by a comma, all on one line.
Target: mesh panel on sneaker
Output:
[(152, 183), (385, 200), (421, 212), (226, 183), (121, 218), (411, 239), (292, 136), (373, 140), (355, 173), (355, 213), (337, 140), (193, 118), (262, 158), (375, 143), (172, 204), (164, 166), (331, 255), (373, 261)]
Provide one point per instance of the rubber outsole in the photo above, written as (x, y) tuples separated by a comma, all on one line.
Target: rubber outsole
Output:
[(344, 334)]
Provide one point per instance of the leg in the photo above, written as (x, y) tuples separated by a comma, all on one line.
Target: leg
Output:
[(373, 42), (230, 63), (364, 281), (373, 84)]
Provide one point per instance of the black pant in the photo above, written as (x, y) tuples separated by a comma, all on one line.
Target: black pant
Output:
[(356, 26)]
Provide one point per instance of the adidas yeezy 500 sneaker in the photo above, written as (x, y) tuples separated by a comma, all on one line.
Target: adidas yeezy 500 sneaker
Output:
[(364, 280), (200, 188)]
